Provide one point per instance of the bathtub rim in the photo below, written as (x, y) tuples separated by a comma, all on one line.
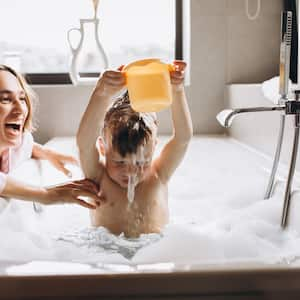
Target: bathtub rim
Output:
[(243, 281)]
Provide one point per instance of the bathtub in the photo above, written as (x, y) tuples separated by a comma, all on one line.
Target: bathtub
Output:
[(223, 241)]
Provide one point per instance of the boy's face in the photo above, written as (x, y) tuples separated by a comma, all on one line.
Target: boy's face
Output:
[(138, 164)]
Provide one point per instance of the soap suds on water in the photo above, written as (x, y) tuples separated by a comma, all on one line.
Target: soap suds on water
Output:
[(217, 215)]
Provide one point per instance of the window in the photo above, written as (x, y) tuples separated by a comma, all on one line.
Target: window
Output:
[(33, 33)]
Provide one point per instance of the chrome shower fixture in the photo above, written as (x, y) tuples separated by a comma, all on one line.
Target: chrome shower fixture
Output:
[(285, 53), (286, 105), (226, 116)]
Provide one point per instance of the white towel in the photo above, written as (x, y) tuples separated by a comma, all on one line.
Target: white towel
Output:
[(270, 89)]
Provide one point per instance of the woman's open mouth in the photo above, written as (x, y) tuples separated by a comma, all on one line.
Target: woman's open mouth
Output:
[(13, 128)]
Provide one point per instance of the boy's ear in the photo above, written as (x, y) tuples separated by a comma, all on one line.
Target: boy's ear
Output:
[(101, 146)]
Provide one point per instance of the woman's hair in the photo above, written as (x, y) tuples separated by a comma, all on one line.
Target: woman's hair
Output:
[(129, 129), (30, 96)]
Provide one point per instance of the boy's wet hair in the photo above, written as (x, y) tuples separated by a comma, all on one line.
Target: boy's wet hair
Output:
[(129, 129)]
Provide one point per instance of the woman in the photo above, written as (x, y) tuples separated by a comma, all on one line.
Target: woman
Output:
[(17, 145)]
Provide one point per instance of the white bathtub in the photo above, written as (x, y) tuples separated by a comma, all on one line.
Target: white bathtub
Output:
[(223, 240)]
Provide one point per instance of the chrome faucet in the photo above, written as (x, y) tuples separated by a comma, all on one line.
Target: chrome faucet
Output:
[(285, 105), (226, 116)]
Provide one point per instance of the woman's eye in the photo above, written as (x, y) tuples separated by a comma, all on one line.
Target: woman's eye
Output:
[(22, 99), (5, 100)]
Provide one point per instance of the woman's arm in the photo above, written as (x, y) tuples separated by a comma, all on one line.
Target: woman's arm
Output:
[(57, 159), (70, 192), (173, 152)]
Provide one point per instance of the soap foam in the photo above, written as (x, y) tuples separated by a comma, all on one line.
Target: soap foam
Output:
[(217, 212)]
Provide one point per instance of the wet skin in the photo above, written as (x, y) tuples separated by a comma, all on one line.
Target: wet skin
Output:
[(149, 210)]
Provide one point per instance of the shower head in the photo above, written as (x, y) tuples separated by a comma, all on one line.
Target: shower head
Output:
[(226, 116), (285, 53)]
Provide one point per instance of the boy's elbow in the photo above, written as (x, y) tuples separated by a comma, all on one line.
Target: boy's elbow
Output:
[(188, 135), (188, 139), (184, 139)]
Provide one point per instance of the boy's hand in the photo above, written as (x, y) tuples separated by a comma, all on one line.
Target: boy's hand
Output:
[(59, 160), (110, 83), (177, 75)]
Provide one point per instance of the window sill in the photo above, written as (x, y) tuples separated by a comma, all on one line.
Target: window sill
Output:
[(57, 78)]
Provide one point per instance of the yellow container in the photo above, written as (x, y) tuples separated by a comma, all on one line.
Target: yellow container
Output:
[(149, 86)]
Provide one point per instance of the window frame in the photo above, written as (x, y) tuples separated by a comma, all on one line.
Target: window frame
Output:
[(64, 78)]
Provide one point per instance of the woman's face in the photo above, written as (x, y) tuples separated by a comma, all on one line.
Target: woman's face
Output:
[(13, 110)]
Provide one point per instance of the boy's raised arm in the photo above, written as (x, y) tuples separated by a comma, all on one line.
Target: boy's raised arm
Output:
[(92, 122), (173, 152)]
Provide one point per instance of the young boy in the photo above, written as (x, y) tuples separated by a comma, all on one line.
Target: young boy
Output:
[(126, 148)]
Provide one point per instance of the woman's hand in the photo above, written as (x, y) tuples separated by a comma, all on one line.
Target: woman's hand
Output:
[(110, 83), (177, 75), (72, 192), (59, 160)]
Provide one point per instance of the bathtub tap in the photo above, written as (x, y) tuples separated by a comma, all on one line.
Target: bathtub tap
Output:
[(290, 107), (226, 116)]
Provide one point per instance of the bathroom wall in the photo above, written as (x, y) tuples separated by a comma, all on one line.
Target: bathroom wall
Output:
[(225, 47), (60, 109)]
